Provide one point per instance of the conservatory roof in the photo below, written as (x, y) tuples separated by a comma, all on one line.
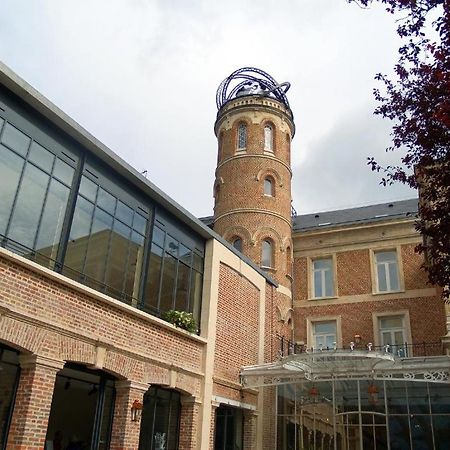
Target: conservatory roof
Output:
[(346, 364)]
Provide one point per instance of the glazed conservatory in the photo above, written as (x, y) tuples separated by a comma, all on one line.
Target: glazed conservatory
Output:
[(357, 400)]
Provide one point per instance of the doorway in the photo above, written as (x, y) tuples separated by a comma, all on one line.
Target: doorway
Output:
[(82, 409), (9, 379)]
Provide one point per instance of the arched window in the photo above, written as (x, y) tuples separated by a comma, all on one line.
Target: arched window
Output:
[(268, 138), (288, 261), (266, 253), (237, 243), (268, 187), (242, 136)]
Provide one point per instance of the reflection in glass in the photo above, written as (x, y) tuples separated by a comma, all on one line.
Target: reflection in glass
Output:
[(181, 299), (168, 283), (63, 171), (10, 170), (153, 279), (27, 211), (52, 219), (41, 157), (174, 281), (88, 188), (106, 201), (104, 248), (124, 213), (15, 139), (97, 253), (79, 235)]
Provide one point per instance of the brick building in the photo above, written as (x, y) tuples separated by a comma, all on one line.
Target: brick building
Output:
[(93, 255)]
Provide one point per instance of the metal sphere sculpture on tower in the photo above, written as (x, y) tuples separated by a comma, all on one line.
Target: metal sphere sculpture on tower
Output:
[(251, 81)]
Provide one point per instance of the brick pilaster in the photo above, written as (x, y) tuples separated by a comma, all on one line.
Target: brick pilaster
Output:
[(250, 429), (33, 402), (125, 432), (189, 422), (212, 434)]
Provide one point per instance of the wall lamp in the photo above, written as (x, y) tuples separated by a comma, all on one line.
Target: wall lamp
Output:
[(357, 338), (136, 410)]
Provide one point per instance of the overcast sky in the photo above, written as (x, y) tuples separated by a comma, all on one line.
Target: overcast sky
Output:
[(141, 76)]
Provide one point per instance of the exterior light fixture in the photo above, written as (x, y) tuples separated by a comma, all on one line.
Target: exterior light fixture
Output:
[(372, 390), (136, 411), (357, 339)]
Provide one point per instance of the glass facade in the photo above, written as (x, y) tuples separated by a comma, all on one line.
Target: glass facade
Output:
[(363, 414), (65, 209)]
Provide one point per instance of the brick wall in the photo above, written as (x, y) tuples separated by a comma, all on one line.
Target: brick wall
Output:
[(353, 272), (79, 320), (237, 325), (357, 307)]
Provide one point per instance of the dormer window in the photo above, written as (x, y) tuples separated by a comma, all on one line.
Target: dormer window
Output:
[(242, 136), (268, 138)]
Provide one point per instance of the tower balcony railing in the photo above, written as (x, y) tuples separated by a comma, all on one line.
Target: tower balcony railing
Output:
[(405, 350)]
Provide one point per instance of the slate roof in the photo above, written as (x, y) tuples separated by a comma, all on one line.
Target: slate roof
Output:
[(353, 216)]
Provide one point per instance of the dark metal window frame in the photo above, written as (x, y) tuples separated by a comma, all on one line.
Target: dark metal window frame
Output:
[(26, 120)]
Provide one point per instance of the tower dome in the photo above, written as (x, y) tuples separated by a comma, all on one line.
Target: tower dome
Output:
[(252, 189)]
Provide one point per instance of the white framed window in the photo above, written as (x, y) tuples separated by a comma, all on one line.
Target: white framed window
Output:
[(268, 187), (322, 278), (242, 136), (324, 334), (386, 271), (268, 138), (393, 334), (267, 253)]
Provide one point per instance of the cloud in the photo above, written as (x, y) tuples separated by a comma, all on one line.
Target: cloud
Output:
[(141, 76), (335, 174)]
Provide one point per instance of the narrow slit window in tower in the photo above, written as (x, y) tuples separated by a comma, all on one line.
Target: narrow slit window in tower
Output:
[(268, 138), (242, 136), (268, 187), (266, 254)]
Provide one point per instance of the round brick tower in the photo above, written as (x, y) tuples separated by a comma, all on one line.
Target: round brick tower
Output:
[(252, 189)]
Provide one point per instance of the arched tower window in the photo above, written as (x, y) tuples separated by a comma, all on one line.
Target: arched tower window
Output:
[(268, 138), (267, 253), (242, 136), (288, 261), (269, 187), (237, 243)]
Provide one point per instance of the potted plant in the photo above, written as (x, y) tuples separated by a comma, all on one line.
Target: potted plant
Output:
[(181, 319)]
